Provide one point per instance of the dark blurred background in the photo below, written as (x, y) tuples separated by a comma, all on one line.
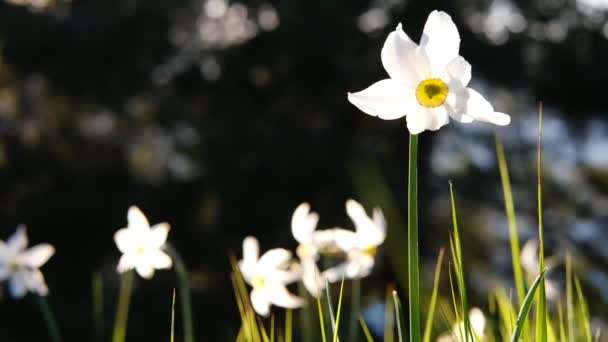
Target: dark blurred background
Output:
[(220, 117)]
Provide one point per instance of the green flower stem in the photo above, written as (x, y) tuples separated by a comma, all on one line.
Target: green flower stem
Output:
[(355, 307), (184, 292), (122, 311), (412, 237), (49, 318)]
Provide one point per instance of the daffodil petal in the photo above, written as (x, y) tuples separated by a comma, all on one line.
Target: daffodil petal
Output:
[(158, 235), (456, 103), (36, 256), (126, 240), (368, 232), (127, 262), (145, 270), (386, 99), (260, 302), (440, 40), (137, 219), (303, 223), (281, 297), (360, 265), (251, 252), (311, 277), (480, 109), (18, 241), (35, 282), (159, 259), (17, 286), (274, 258), (427, 119), (457, 70), (403, 60), (5, 273), (346, 239)]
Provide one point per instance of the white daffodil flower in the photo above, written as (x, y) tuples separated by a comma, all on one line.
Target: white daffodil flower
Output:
[(478, 324), (303, 228), (142, 245), (428, 82), (361, 245), (268, 276), (21, 266)]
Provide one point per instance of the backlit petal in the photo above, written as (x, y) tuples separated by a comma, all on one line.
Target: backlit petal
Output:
[(260, 302), (403, 60), (303, 223), (480, 109), (35, 282), (368, 232), (251, 252), (126, 240), (127, 262), (17, 242), (145, 270), (158, 235), (37, 255), (279, 296), (456, 102), (274, 258), (427, 119), (346, 239), (137, 219), (17, 286), (386, 99), (159, 259), (440, 40), (4, 272), (312, 279), (457, 70)]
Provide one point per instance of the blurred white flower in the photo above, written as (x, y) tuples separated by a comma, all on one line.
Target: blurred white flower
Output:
[(478, 324), (303, 228), (21, 266), (268, 276), (142, 245), (361, 245), (428, 83)]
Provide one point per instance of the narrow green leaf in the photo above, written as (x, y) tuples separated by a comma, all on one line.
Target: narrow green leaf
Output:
[(321, 320), (431, 314), (584, 312), (523, 312), (368, 335), (398, 315), (288, 325), (541, 306), (172, 338), (412, 237), (337, 327), (122, 312)]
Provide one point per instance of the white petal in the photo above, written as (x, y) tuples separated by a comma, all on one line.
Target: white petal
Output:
[(457, 70), (159, 259), (403, 60), (127, 262), (323, 238), (303, 223), (158, 235), (36, 256), (369, 232), (480, 109), (274, 258), (359, 265), (380, 225), (427, 119), (126, 239), (145, 270), (478, 321), (386, 99), (35, 282), (137, 219), (312, 279), (335, 273), (279, 296), (17, 242), (456, 102), (440, 40), (347, 240), (17, 286), (4, 272), (260, 302), (251, 252)]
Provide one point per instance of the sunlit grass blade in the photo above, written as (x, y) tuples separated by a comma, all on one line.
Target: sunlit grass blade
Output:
[(338, 311), (398, 316), (569, 298), (49, 318), (248, 322), (560, 320), (506, 314), (583, 315), (122, 312), (97, 284), (598, 334), (459, 269), (321, 320), (541, 305), (412, 237), (172, 339), (288, 325), (366, 332), (525, 308), (265, 337), (454, 305), (306, 319), (355, 305), (389, 312), (184, 293), (431, 313), (510, 212)]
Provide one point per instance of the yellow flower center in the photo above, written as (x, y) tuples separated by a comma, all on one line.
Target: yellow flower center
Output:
[(258, 281), (370, 250), (140, 250), (431, 92), (13, 266)]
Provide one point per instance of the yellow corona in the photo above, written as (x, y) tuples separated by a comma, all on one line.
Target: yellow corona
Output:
[(431, 92)]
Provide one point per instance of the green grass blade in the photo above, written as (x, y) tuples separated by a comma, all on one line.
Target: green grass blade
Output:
[(321, 320), (49, 318), (583, 311), (398, 314), (337, 327), (510, 212), (454, 305), (184, 293), (525, 308), (389, 313), (560, 320), (569, 298), (97, 284), (288, 325), (431, 313), (122, 312), (355, 307), (412, 237), (541, 307), (265, 337), (365, 328), (172, 339), (272, 328), (459, 269)]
